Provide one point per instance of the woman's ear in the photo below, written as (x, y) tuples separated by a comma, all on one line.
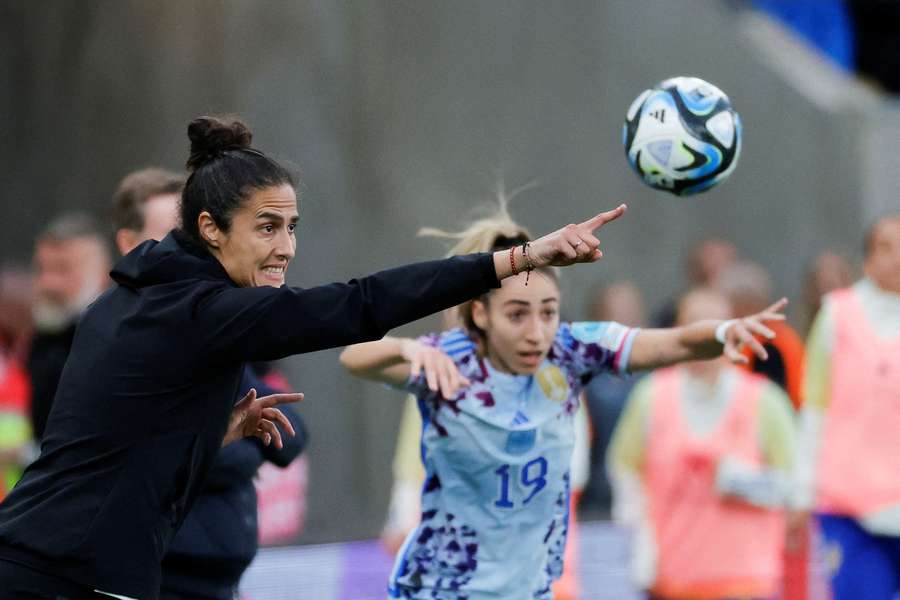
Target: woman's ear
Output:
[(479, 315), (209, 231), (126, 240)]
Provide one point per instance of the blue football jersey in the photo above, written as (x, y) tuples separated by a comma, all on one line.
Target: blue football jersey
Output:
[(496, 495)]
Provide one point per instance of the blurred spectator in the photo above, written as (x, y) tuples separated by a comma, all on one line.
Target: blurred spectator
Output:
[(748, 287), (700, 461), (849, 444), (606, 393), (71, 264), (15, 388), (218, 538), (705, 261), (621, 301), (829, 272), (708, 259), (145, 207), (281, 491), (16, 300)]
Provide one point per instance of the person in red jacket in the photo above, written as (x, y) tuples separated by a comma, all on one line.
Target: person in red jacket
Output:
[(16, 449)]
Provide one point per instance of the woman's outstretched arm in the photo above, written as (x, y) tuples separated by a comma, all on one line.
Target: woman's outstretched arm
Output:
[(263, 323), (702, 340), (398, 360)]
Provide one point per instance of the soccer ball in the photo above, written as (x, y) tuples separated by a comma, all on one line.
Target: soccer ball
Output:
[(682, 136)]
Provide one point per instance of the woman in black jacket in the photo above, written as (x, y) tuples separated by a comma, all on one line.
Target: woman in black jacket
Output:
[(219, 536), (145, 399)]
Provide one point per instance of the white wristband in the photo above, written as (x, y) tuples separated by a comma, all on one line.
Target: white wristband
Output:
[(722, 329)]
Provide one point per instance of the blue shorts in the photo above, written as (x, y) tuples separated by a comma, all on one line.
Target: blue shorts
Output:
[(861, 566)]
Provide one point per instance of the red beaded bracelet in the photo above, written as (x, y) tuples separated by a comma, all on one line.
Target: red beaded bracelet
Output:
[(512, 260)]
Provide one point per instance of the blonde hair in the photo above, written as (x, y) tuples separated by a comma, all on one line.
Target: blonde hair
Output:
[(496, 230), (482, 234)]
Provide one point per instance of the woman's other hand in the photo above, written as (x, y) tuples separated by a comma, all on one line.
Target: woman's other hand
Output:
[(257, 417)]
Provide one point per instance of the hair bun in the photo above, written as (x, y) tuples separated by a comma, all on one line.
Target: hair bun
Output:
[(211, 136)]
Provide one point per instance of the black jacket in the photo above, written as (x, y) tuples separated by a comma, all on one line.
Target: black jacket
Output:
[(219, 536), (46, 359), (145, 396)]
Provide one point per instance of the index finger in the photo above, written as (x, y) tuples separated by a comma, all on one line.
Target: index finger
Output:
[(777, 306), (281, 399), (604, 218)]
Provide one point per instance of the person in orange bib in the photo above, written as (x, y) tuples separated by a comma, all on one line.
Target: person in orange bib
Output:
[(700, 463), (747, 285), (849, 466)]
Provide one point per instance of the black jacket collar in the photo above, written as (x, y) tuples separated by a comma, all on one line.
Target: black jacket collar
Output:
[(175, 258)]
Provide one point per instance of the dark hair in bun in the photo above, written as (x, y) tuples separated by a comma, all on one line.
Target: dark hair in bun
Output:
[(212, 136), (226, 170)]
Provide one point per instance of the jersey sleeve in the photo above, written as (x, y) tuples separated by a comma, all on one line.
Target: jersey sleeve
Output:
[(592, 347), (455, 343)]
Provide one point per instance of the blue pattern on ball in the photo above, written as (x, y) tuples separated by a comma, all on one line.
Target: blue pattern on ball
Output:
[(697, 102)]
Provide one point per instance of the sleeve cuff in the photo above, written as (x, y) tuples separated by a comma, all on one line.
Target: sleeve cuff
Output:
[(624, 354), (488, 271)]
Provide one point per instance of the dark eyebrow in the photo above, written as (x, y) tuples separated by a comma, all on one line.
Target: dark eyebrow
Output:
[(270, 216), (520, 302), (276, 217), (549, 300)]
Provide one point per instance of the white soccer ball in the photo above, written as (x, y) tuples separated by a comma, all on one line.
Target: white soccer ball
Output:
[(682, 136)]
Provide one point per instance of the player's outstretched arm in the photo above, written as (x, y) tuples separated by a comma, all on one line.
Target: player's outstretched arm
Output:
[(397, 360), (702, 340)]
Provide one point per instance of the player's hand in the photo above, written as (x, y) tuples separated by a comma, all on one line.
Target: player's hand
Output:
[(257, 417), (441, 373), (743, 332), (573, 243)]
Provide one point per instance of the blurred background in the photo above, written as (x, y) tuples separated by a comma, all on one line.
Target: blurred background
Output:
[(403, 114)]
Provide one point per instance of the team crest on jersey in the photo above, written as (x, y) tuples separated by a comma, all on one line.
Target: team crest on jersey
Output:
[(520, 442), (553, 383)]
